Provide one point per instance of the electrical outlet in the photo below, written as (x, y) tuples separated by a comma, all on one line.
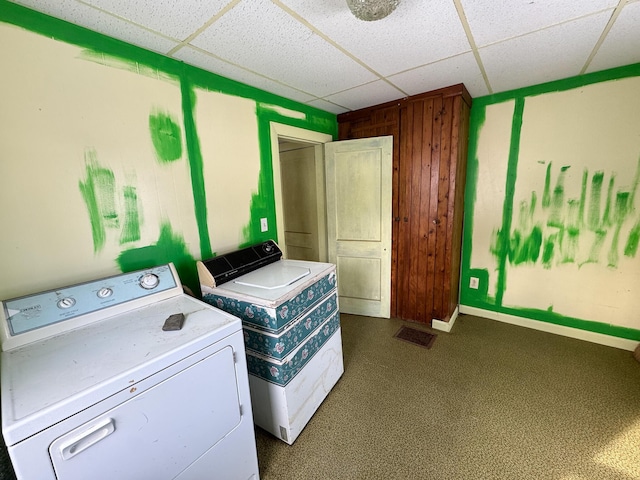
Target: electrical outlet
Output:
[(474, 283), (264, 226)]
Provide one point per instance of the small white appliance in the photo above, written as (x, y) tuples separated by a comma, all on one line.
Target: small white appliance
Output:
[(96, 384), (291, 321)]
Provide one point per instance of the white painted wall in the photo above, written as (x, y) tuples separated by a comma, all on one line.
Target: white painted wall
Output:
[(60, 101), (228, 128), (56, 106), (594, 128), (493, 148)]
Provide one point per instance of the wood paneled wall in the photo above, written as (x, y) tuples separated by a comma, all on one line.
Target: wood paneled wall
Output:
[(430, 133)]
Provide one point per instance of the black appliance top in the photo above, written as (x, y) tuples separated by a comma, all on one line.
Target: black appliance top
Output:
[(225, 268)]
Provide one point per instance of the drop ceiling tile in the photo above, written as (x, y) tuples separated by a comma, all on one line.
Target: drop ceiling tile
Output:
[(495, 20), (550, 54), (416, 33), (459, 69), (622, 45), (212, 64), (264, 38), (101, 22), (327, 106), (174, 19), (366, 95)]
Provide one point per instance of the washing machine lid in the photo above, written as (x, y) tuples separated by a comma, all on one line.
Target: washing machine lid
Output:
[(273, 276)]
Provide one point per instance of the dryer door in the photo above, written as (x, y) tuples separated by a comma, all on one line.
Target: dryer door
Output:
[(158, 433)]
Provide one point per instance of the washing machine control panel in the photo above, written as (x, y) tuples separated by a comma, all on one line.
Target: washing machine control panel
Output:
[(27, 314)]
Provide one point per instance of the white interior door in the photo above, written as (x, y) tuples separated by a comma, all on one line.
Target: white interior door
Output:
[(300, 201), (296, 233), (358, 186)]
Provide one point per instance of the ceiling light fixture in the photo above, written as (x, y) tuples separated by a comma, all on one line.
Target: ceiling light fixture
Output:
[(370, 10)]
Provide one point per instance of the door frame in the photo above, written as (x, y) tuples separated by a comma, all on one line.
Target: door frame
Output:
[(288, 132)]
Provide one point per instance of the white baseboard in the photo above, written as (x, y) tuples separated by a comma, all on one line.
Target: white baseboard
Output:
[(445, 326), (593, 337)]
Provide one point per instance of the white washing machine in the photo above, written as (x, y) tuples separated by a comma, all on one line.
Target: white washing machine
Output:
[(291, 320), (93, 387)]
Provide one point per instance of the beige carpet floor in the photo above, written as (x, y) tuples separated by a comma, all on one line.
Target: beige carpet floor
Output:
[(487, 401)]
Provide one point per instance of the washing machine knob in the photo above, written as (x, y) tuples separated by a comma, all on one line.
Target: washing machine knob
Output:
[(104, 292), (66, 302), (149, 281)]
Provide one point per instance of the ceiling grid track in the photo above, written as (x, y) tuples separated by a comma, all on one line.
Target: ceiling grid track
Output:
[(472, 43), (210, 22), (605, 32), (321, 54), (334, 44)]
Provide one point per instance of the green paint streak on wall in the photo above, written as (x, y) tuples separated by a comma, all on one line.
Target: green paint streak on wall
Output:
[(263, 200), (131, 55), (606, 216), (475, 298), (526, 239), (111, 51), (546, 194), (97, 228), (566, 219), (507, 210), (595, 202), (557, 200), (583, 196), (549, 250), (99, 193), (532, 208), (572, 229), (631, 247), (574, 220), (170, 247), (525, 249), (550, 316), (67, 32), (620, 214), (131, 227), (634, 185), (469, 295), (196, 167), (622, 207), (596, 248), (561, 85), (166, 136)]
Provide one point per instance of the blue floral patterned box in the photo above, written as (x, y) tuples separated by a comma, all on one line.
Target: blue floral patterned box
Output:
[(280, 345), (281, 372), (274, 319)]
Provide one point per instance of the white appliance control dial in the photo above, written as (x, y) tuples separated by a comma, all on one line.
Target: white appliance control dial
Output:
[(45, 314), (104, 292), (149, 281), (66, 302)]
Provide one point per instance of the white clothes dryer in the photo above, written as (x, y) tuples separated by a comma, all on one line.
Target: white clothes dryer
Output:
[(94, 387)]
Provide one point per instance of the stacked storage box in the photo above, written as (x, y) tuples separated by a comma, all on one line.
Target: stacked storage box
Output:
[(293, 344)]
